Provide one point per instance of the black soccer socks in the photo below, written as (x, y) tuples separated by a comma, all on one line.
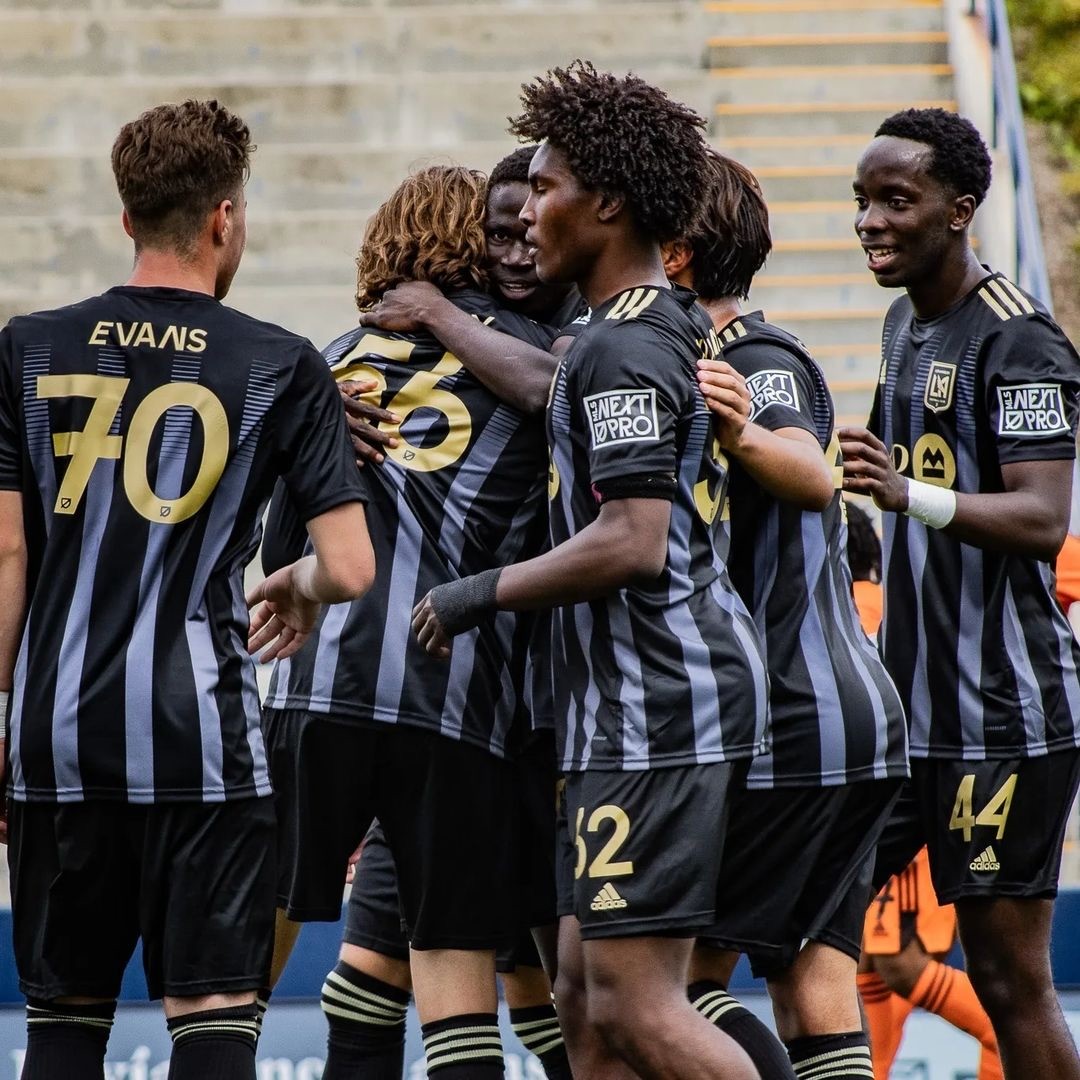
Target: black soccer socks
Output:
[(733, 1018), (215, 1044), (66, 1040), (538, 1029), (465, 1047), (840, 1057), (366, 1018)]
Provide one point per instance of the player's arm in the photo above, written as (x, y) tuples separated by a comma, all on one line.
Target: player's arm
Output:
[(626, 545), (12, 616), (286, 604), (1029, 517), (513, 370), (787, 462)]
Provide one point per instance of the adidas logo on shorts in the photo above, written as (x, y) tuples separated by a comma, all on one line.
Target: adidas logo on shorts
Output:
[(985, 862), (607, 899)]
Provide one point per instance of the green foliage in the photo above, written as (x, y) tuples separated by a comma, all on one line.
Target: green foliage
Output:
[(1046, 35)]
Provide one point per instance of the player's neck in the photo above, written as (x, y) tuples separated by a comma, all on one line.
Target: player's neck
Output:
[(620, 267), (165, 270), (957, 276), (722, 310)]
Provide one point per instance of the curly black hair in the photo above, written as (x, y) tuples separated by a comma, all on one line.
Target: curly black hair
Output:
[(960, 159), (863, 545), (514, 168), (731, 240), (623, 137)]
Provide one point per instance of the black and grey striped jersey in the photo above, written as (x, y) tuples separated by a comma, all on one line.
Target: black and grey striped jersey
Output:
[(981, 653), (836, 716), (145, 429), (669, 673), (463, 492)]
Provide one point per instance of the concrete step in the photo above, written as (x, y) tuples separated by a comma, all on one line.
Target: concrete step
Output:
[(797, 221), (808, 291), (332, 43), (763, 151), (831, 255), (837, 83), (432, 111), (365, 8), (759, 50), (820, 16), (284, 177), (782, 183), (63, 255), (853, 397), (857, 115), (832, 327)]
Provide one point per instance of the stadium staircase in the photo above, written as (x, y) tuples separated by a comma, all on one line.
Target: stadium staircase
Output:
[(344, 95)]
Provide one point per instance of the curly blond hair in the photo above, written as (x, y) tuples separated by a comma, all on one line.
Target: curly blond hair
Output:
[(430, 229)]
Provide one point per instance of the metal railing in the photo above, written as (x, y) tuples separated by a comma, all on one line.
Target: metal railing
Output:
[(1008, 128)]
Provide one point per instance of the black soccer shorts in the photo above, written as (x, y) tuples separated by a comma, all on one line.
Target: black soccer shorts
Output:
[(374, 919), (445, 808), (993, 828), (797, 867), (195, 881), (648, 849)]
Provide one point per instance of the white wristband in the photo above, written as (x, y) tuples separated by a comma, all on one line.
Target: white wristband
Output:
[(5, 697), (932, 505)]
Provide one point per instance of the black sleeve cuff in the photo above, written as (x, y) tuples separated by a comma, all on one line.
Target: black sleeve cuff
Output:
[(637, 486)]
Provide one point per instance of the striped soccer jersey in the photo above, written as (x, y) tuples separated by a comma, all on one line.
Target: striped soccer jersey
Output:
[(145, 429), (671, 672), (836, 716), (981, 653), (463, 492)]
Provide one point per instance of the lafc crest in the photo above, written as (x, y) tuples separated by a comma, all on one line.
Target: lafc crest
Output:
[(940, 386)]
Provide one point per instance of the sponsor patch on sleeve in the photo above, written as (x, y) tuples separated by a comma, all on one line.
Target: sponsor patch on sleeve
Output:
[(1031, 410), (622, 416), (776, 387)]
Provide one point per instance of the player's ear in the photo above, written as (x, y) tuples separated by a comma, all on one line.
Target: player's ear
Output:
[(608, 206), (963, 212), (676, 255), (126, 222), (222, 221)]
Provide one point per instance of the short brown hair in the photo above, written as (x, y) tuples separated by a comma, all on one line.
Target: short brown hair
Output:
[(430, 229), (174, 165), (731, 240)]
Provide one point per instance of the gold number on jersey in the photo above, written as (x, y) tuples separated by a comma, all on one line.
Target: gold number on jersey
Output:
[(215, 451), (602, 865), (418, 392), (994, 814), (709, 505), (94, 442)]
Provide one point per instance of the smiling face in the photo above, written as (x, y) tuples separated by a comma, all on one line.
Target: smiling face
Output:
[(510, 258), (908, 221), (560, 217)]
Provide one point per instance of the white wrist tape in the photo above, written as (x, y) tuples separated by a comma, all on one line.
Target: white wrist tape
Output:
[(5, 697), (932, 505)]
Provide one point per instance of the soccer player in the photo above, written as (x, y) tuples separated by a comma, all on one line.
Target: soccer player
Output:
[(800, 849), (374, 942), (362, 723), (141, 432), (969, 452), (661, 686)]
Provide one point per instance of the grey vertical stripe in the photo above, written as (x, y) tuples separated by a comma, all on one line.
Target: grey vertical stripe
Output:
[(327, 651), (65, 721), (36, 361), (1027, 685), (250, 693), (635, 734), (15, 713), (585, 727), (399, 605), (139, 655)]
